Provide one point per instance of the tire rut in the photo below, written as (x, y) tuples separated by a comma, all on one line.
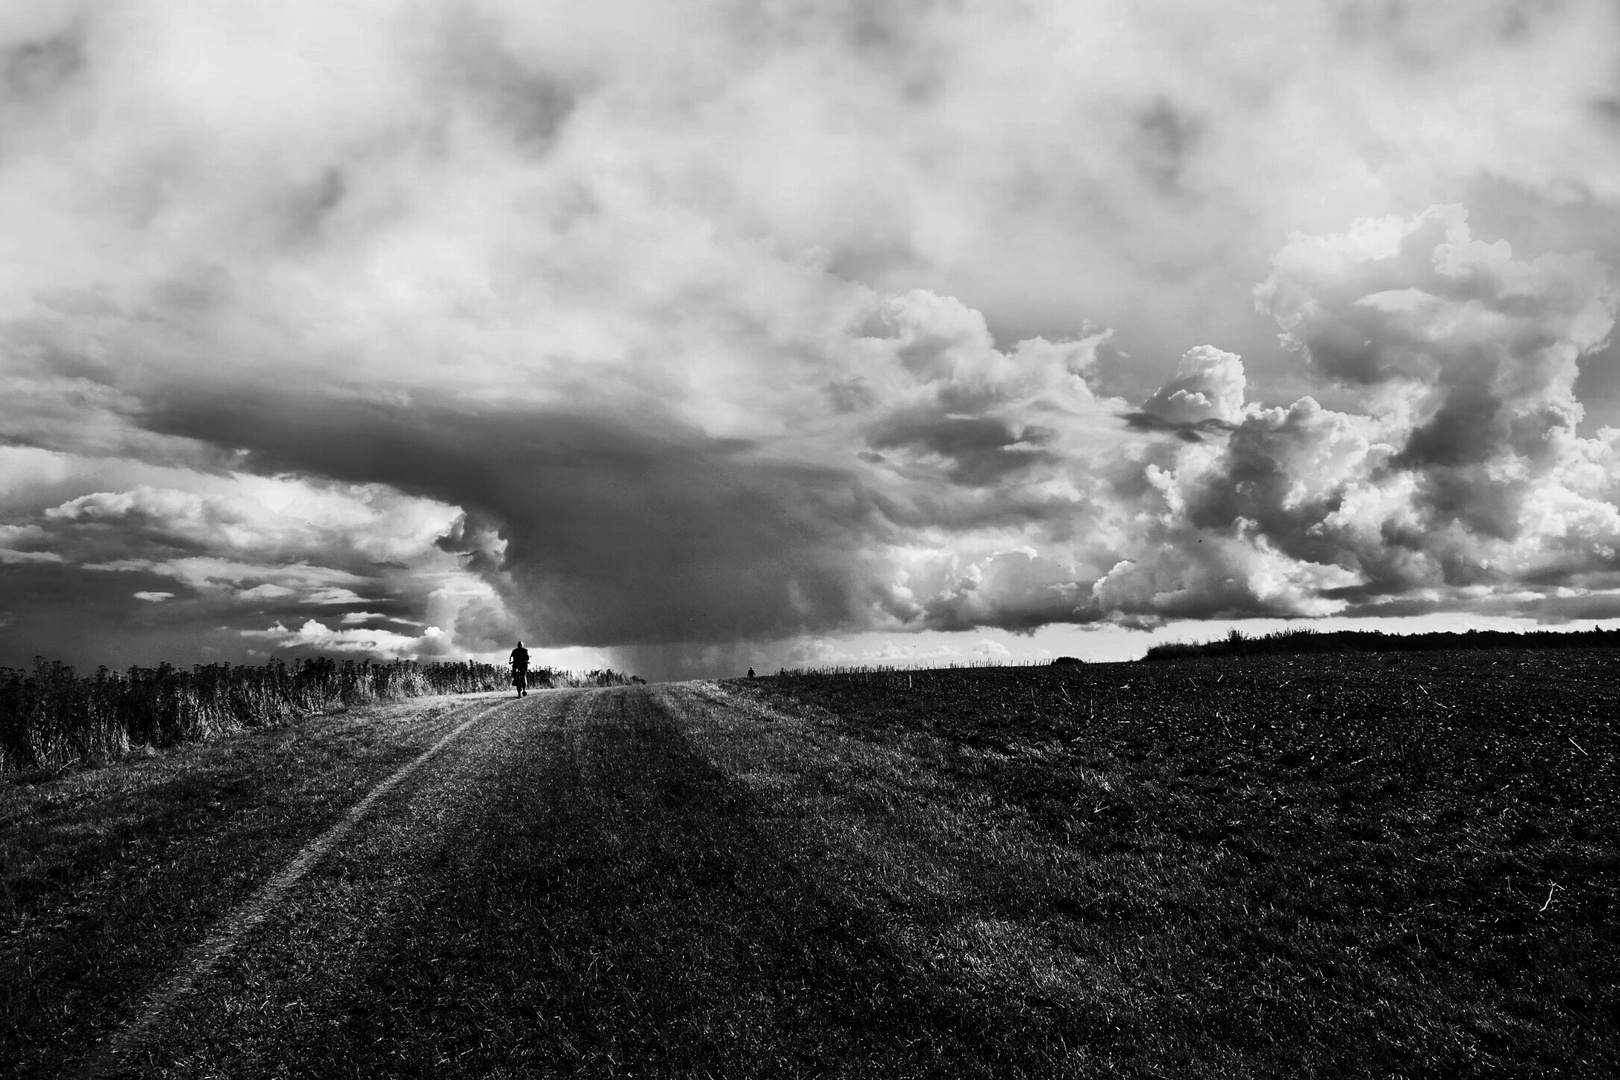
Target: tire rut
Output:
[(576, 889), (119, 1054)]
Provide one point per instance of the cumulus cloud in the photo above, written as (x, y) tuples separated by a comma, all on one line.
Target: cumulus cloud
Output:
[(1015, 590), (602, 529), (264, 539), (1207, 395), (1459, 477), (240, 548), (385, 644), (513, 319)]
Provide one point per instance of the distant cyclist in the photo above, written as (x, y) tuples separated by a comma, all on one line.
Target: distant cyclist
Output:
[(520, 669)]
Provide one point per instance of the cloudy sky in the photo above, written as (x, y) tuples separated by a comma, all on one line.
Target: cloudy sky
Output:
[(685, 335)]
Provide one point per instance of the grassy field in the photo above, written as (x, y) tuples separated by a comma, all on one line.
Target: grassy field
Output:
[(1379, 865), (1346, 866)]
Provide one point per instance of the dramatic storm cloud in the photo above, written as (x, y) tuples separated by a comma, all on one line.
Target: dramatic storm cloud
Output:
[(689, 335)]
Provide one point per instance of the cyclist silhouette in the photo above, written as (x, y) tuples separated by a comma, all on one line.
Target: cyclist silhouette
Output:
[(520, 669)]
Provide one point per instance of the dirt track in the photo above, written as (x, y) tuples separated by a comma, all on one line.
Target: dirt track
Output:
[(571, 886)]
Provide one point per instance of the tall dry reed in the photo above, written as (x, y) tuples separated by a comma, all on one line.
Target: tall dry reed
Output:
[(51, 718)]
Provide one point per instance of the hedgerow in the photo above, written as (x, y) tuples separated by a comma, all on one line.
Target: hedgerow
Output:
[(1307, 641)]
